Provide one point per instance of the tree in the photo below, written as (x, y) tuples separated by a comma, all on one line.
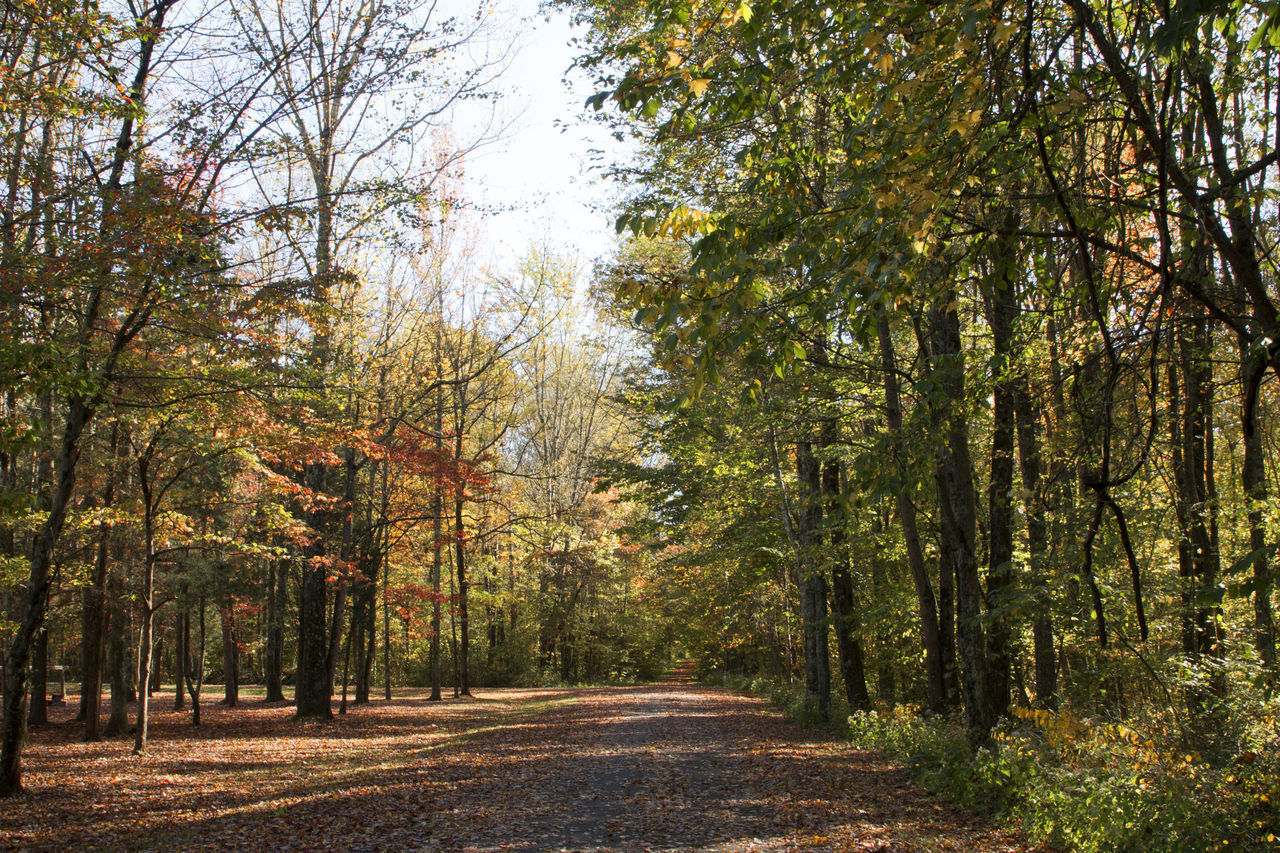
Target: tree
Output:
[(330, 65)]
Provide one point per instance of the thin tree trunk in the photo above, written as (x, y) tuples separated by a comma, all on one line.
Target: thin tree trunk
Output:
[(1042, 643), (118, 657), (847, 624), (146, 640), (195, 671), (813, 584), (38, 715), (1253, 477), (386, 636), (181, 642), (1002, 307), (957, 499), (277, 595), (464, 614), (926, 602), (230, 654)]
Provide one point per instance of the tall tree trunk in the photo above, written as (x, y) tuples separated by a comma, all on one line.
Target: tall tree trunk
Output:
[(338, 617), (146, 641), (1200, 563), (926, 602), (460, 563), (386, 634), (13, 732), (437, 592), (957, 499), (370, 631), (1000, 299), (1253, 475), (194, 670), (1046, 668), (813, 583), (38, 714), (230, 654), (312, 680), (847, 624), (437, 534), (89, 635), (273, 663), (359, 603), (118, 660), (181, 642)]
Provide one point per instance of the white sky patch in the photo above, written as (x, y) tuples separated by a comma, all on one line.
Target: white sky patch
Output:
[(538, 177)]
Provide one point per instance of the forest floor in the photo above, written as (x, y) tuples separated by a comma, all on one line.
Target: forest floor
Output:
[(672, 767)]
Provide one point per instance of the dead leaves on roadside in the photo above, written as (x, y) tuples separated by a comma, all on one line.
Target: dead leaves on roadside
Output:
[(663, 768)]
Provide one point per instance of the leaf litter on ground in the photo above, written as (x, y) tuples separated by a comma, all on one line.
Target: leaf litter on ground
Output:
[(673, 767)]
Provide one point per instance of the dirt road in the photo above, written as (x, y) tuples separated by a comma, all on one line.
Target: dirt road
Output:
[(607, 770), (669, 768)]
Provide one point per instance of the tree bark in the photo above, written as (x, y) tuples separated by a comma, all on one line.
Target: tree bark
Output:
[(844, 612), (926, 602), (1002, 307), (1046, 668), (310, 693), (38, 714), (813, 584), (146, 640), (194, 671), (1199, 554), (1253, 475), (957, 500), (118, 659), (277, 595), (230, 654), (181, 640)]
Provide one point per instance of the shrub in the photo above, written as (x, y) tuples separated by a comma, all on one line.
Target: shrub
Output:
[(1086, 786)]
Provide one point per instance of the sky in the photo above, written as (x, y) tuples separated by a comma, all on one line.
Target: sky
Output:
[(538, 174)]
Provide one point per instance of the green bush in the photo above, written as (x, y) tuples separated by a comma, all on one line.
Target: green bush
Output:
[(1091, 787)]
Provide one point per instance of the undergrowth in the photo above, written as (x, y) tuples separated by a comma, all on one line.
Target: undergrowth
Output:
[(1083, 785)]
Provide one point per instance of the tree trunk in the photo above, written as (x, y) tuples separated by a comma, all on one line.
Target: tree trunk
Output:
[(38, 715), (146, 641), (312, 678), (813, 584), (364, 683), (230, 655), (1002, 307), (1199, 556), (386, 635), (464, 616), (1046, 668), (273, 661), (194, 671), (926, 603), (1253, 477), (14, 731), (181, 642), (359, 603), (93, 641), (848, 626), (957, 499), (118, 659), (338, 617)]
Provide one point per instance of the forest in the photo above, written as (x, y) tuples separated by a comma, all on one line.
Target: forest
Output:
[(930, 385)]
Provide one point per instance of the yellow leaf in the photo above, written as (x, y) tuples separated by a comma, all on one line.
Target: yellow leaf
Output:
[(1004, 31), (698, 85)]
